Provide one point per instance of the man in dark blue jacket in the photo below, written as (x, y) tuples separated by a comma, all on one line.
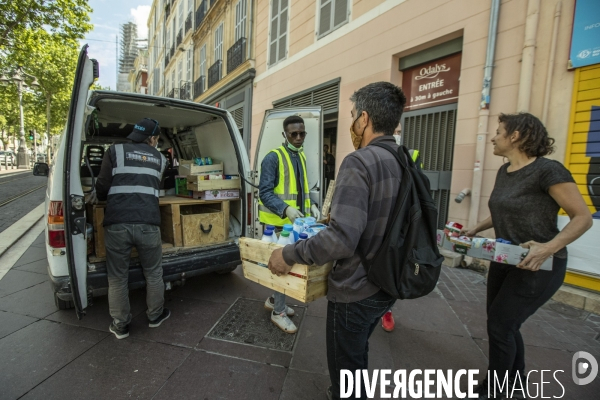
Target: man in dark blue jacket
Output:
[(129, 181)]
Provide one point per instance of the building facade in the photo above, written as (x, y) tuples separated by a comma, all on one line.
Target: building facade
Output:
[(138, 76), (202, 50), (127, 55), (320, 52)]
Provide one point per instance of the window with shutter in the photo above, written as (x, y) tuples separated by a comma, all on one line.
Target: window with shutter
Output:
[(203, 61), (279, 33), (181, 19), (179, 72), (219, 43), (188, 72), (332, 15), (240, 20)]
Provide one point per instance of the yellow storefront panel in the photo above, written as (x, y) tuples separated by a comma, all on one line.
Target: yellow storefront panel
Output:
[(588, 95), (582, 159), (590, 84)]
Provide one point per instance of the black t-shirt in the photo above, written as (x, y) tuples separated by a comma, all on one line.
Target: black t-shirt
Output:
[(521, 207)]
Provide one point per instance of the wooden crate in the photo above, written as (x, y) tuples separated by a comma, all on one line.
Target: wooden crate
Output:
[(193, 183), (304, 282), (203, 225), (189, 167)]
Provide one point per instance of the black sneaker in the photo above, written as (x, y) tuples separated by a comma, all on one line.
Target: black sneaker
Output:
[(156, 323), (120, 333)]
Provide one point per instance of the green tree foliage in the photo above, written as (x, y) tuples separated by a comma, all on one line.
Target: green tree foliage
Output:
[(46, 45), (66, 18)]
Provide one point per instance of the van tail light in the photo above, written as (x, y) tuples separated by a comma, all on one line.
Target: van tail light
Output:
[(250, 207), (56, 225)]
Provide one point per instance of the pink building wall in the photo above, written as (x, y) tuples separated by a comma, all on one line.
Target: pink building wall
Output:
[(367, 49)]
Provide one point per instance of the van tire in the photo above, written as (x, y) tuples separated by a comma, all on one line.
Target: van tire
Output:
[(62, 304), (227, 271)]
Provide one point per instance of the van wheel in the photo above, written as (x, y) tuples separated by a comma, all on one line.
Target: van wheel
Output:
[(227, 271), (62, 304)]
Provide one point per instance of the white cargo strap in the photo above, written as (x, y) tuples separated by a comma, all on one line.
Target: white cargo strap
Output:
[(133, 189)]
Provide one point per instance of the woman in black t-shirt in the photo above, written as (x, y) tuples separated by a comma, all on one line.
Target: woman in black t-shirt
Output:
[(528, 193)]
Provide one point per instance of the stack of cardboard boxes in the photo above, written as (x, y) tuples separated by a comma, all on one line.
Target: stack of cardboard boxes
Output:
[(497, 250)]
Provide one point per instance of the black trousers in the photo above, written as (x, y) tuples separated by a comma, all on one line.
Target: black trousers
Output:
[(349, 326), (513, 295)]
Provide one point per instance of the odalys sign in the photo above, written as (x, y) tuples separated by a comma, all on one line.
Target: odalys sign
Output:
[(433, 83), (585, 41)]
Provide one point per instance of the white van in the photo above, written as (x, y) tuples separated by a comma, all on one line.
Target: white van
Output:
[(98, 119)]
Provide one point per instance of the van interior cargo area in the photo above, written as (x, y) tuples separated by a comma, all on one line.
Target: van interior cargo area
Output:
[(187, 224)]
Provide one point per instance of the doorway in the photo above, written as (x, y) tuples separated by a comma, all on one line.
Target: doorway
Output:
[(431, 131)]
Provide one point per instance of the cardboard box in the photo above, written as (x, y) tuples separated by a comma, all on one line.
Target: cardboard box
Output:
[(181, 189), (477, 246), (440, 237), (216, 194), (189, 167), (513, 255)]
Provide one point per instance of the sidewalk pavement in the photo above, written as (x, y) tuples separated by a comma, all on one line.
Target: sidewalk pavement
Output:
[(12, 170), (50, 354)]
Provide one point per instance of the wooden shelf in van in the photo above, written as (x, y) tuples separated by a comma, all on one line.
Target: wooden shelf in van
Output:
[(185, 223)]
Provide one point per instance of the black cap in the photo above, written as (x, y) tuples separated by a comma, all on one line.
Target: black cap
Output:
[(144, 129)]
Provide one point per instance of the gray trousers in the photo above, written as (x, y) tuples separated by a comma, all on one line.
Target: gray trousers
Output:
[(119, 240)]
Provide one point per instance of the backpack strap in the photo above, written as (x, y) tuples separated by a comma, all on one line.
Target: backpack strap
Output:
[(406, 183)]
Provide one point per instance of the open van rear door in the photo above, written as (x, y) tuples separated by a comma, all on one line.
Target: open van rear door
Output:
[(74, 203), (271, 138)]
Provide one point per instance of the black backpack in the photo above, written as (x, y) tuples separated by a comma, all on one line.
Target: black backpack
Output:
[(408, 263)]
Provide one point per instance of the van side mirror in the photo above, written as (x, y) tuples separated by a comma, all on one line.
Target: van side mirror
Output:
[(41, 169)]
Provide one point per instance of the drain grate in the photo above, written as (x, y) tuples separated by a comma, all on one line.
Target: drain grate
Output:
[(248, 322)]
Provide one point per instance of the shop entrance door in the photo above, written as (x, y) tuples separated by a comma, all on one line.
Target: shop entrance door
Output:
[(431, 131)]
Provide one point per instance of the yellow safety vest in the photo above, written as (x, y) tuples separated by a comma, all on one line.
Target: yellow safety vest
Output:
[(414, 154), (286, 189)]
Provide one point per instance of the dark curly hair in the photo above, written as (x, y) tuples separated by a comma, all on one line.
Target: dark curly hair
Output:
[(534, 140)]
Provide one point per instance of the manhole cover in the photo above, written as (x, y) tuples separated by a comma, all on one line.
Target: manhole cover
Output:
[(248, 322)]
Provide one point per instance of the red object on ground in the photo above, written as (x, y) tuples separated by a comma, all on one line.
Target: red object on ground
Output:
[(387, 322)]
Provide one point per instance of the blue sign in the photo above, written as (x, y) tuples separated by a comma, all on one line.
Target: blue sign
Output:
[(585, 42)]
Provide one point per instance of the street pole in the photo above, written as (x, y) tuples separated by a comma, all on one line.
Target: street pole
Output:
[(22, 156)]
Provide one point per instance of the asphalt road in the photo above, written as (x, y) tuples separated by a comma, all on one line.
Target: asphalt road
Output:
[(13, 185)]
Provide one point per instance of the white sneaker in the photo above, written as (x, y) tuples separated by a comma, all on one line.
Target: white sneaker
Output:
[(270, 305), (283, 322)]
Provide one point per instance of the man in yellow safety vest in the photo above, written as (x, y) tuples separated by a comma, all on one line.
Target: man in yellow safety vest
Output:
[(387, 321), (284, 196)]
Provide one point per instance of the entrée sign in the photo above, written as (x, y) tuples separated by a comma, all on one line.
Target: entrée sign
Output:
[(432, 84)]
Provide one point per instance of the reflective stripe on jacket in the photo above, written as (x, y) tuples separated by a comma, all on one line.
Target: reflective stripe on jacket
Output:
[(414, 154), (286, 189), (137, 169)]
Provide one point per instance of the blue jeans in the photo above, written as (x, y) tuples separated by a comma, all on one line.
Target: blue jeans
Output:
[(119, 240), (349, 326)]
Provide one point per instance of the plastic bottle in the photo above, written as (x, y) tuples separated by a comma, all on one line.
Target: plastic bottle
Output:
[(267, 236), (284, 238), (289, 228), (298, 227), (271, 227), (303, 236)]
